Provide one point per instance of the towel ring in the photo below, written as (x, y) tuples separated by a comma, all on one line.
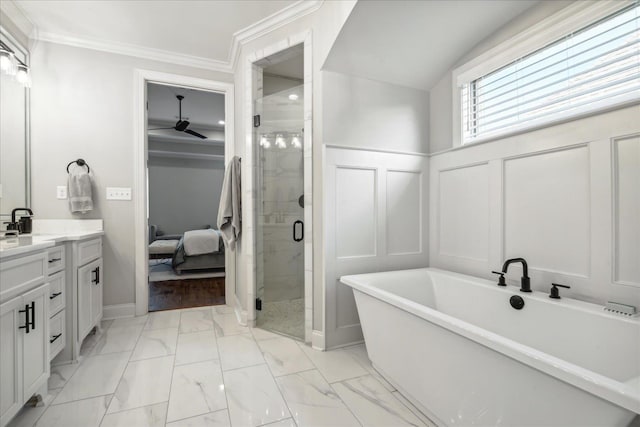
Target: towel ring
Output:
[(79, 162)]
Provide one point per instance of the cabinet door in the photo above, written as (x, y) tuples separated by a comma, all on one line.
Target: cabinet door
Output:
[(89, 297), (96, 292), (84, 301), (35, 343), (11, 359)]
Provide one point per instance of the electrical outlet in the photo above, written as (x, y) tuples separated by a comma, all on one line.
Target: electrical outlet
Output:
[(61, 192), (118, 193)]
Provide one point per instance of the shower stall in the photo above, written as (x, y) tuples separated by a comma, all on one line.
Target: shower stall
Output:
[(279, 154)]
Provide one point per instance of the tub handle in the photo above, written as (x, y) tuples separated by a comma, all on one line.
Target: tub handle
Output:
[(555, 292), (501, 281)]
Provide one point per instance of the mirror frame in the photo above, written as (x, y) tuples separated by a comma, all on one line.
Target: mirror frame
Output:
[(23, 54)]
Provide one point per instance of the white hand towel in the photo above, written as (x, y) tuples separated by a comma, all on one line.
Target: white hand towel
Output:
[(80, 197), (230, 210), (199, 242)]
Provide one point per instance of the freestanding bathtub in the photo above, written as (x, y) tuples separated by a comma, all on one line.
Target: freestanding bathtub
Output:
[(453, 345)]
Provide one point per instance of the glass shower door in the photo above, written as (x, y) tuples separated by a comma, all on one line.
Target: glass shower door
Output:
[(280, 212)]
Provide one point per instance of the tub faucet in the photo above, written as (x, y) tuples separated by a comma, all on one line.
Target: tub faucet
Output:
[(525, 285)]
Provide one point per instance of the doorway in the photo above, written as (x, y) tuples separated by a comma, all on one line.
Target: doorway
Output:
[(141, 161), (281, 149), (185, 171)]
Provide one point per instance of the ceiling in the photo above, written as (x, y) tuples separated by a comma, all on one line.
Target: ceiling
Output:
[(413, 43), (203, 109), (202, 29)]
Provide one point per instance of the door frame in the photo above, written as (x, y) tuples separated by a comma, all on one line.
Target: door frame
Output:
[(140, 157), (253, 86)]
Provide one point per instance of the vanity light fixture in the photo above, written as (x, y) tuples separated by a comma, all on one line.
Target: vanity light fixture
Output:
[(22, 75), (7, 61), (280, 143), (12, 66), (264, 142), (295, 141), (293, 97)]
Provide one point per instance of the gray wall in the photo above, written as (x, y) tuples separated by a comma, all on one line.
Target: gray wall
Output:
[(184, 194), (82, 106), (369, 114)]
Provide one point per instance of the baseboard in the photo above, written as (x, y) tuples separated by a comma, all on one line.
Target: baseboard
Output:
[(118, 311), (317, 340)]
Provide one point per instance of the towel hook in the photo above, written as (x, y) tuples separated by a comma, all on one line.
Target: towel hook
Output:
[(79, 162)]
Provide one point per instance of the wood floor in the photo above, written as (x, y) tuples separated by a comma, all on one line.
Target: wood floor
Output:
[(172, 294)]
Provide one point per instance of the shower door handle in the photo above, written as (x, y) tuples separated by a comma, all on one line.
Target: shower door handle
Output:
[(295, 234)]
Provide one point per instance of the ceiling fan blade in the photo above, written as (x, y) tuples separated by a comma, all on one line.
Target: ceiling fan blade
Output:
[(162, 128), (190, 132)]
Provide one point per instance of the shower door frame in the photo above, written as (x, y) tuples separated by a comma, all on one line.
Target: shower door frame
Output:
[(253, 87)]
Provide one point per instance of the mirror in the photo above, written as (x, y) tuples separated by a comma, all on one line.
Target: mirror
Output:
[(14, 136)]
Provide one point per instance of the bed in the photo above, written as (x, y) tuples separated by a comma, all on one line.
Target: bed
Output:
[(172, 247), (211, 261)]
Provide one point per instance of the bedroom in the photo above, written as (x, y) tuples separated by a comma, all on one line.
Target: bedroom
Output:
[(185, 176)]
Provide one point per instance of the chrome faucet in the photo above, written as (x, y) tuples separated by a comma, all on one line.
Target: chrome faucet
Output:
[(525, 285)]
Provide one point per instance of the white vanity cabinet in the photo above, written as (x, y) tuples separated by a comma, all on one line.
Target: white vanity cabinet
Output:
[(24, 331), (89, 297)]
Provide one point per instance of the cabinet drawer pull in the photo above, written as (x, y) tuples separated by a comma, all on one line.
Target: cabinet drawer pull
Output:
[(54, 260), (96, 279), (55, 337), (26, 318), (55, 294), (30, 320)]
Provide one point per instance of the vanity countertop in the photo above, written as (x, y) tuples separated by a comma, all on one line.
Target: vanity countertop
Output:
[(36, 242)]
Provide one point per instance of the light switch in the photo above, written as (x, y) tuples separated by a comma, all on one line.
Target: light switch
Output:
[(118, 193), (61, 192)]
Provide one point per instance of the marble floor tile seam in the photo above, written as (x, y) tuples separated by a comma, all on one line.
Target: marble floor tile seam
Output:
[(243, 367), (278, 422), (199, 361), (130, 409), (173, 369), (79, 400), (169, 423), (341, 379), (292, 373), (284, 399)]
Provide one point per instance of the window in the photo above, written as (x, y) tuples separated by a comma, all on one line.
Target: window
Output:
[(591, 69)]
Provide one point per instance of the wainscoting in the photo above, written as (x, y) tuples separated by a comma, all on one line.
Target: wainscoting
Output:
[(375, 220), (566, 198)]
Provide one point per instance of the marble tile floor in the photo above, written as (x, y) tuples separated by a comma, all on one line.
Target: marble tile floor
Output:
[(198, 367)]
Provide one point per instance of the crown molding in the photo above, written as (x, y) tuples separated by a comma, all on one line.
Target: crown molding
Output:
[(17, 17), (239, 38), (270, 23), (136, 50)]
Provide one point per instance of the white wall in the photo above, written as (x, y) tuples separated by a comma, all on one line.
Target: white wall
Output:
[(365, 113), (561, 197), (376, 219), (375, 203), (82, 106), (184, 194), (565, 198)]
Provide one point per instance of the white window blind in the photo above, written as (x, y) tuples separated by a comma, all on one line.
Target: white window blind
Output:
[(593, 68)]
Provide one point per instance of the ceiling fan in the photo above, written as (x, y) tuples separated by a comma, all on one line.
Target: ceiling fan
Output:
[(182, 125)]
